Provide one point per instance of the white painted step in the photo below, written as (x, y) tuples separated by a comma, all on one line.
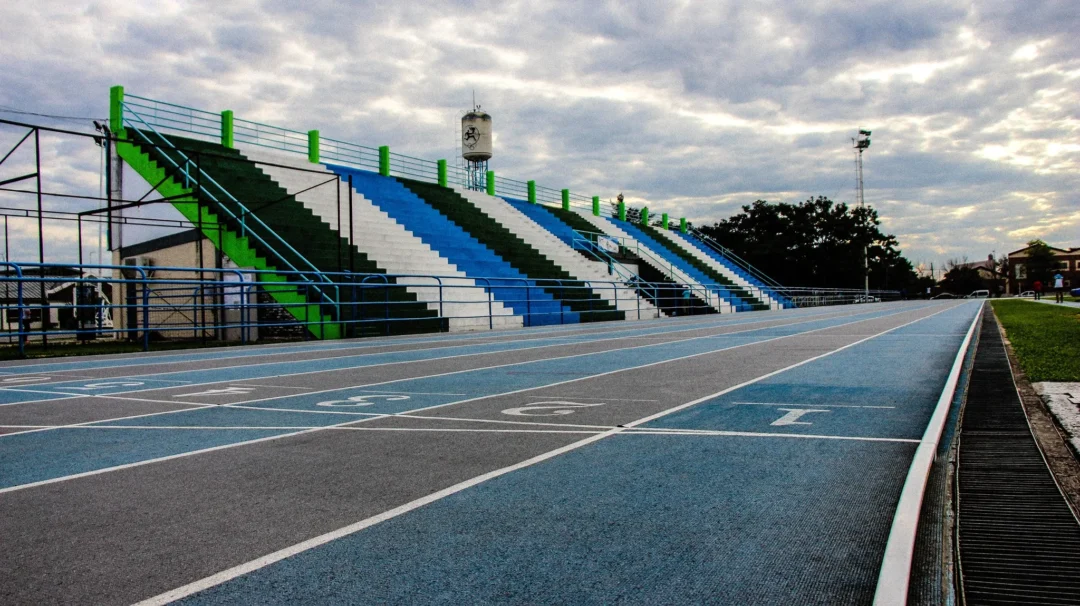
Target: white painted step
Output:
[(691, 247), (387, 243), (555, 250), (602, 224)]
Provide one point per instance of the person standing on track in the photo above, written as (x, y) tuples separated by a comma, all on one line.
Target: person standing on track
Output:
[(1037, 287), (1059, 288)]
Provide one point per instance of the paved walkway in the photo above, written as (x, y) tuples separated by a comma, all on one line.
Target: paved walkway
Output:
[(1050, 301)]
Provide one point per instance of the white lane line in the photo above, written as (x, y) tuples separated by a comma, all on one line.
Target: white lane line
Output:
[(303, 410), (894, 577), (546, 397), (273, 386), (443, 341), (188, 406), (436, 375), (414, 393), (804, 405), (796, 322), (277, 556), (593, 353), (539, 428), (374, 416)]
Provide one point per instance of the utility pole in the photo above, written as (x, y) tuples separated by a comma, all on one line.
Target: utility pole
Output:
[(862, 143)]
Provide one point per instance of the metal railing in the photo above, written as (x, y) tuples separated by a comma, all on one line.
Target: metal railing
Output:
[(147, 306), (202, 181), (735, 259), (207, 125), (270, 136)]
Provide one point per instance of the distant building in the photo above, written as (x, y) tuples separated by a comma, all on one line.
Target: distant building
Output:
[(986, 269), (57, 297), (185, 300), (1068, 260)]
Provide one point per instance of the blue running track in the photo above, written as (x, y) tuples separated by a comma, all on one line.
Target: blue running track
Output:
[(755, 458)]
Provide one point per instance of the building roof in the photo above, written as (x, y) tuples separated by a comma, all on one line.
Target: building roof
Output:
[(156, 244), (1055, 249), (31, 291)]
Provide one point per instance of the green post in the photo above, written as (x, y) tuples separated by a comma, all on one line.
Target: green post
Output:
[(566, 199), (596, 206), (622, 211), (384, 160), (682, 225), (491, 182), (442, 173), (645, 216), (227, 129), (532, 192), (313, 146), (116, 110), (664, 221)]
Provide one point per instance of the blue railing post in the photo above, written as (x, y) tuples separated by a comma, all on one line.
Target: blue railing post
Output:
[(19, 287), (146, 308)]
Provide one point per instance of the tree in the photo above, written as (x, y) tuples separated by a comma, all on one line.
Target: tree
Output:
[(633, 213), (961, 278), (1040, 262), (816, 243)]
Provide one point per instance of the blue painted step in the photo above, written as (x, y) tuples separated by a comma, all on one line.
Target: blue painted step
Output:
[(545, 219), (536, 305), (677, 261), (719, 258)]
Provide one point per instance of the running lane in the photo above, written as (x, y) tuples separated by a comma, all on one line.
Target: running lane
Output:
[(136, 531), (744, 497), (38, 456)]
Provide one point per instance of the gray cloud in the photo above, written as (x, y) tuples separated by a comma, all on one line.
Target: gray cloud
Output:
[(693, 109)]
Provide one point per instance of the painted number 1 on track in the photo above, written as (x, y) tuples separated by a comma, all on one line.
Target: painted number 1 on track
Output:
[(365, 400)]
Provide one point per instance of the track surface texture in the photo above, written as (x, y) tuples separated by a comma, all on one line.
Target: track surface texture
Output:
[(751, 458), (1019, 541)]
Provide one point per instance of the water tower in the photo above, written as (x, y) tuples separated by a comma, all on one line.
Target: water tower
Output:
[(476, 147)]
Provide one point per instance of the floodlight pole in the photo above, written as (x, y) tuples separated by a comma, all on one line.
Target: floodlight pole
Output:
[(862, 143)]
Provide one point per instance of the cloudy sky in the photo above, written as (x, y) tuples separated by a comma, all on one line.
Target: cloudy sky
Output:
[(693, 108)]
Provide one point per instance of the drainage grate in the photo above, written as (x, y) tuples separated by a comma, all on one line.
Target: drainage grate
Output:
[(1019, 542)]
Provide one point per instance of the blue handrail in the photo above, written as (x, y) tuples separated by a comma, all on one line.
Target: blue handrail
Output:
[(244, 210)]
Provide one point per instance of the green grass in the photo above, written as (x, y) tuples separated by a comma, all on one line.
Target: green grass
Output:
[(1045, 338)]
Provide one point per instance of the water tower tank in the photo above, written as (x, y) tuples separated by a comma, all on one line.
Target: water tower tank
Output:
[(476, 136)]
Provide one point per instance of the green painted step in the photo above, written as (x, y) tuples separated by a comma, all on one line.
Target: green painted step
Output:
[(590, 306), (237, 248), (313, 240)]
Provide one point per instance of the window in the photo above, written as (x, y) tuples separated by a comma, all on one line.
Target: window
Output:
[(1021, 272)]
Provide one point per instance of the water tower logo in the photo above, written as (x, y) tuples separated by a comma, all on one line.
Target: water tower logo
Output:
[(471, 137)]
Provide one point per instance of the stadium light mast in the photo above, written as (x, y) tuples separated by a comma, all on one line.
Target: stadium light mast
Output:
[(861, 143)]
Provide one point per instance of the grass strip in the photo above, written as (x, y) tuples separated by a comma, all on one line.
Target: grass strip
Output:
[(1046, 338)]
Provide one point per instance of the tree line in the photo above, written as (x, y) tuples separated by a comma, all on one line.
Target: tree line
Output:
[(816, 243)]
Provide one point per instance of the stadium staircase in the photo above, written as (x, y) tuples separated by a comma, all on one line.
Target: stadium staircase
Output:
[(570, 291), (506, 283), (259, 225), (455, 296), (667, 264), (569, 227), (746, 274), (550, 246), (744, 297)]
